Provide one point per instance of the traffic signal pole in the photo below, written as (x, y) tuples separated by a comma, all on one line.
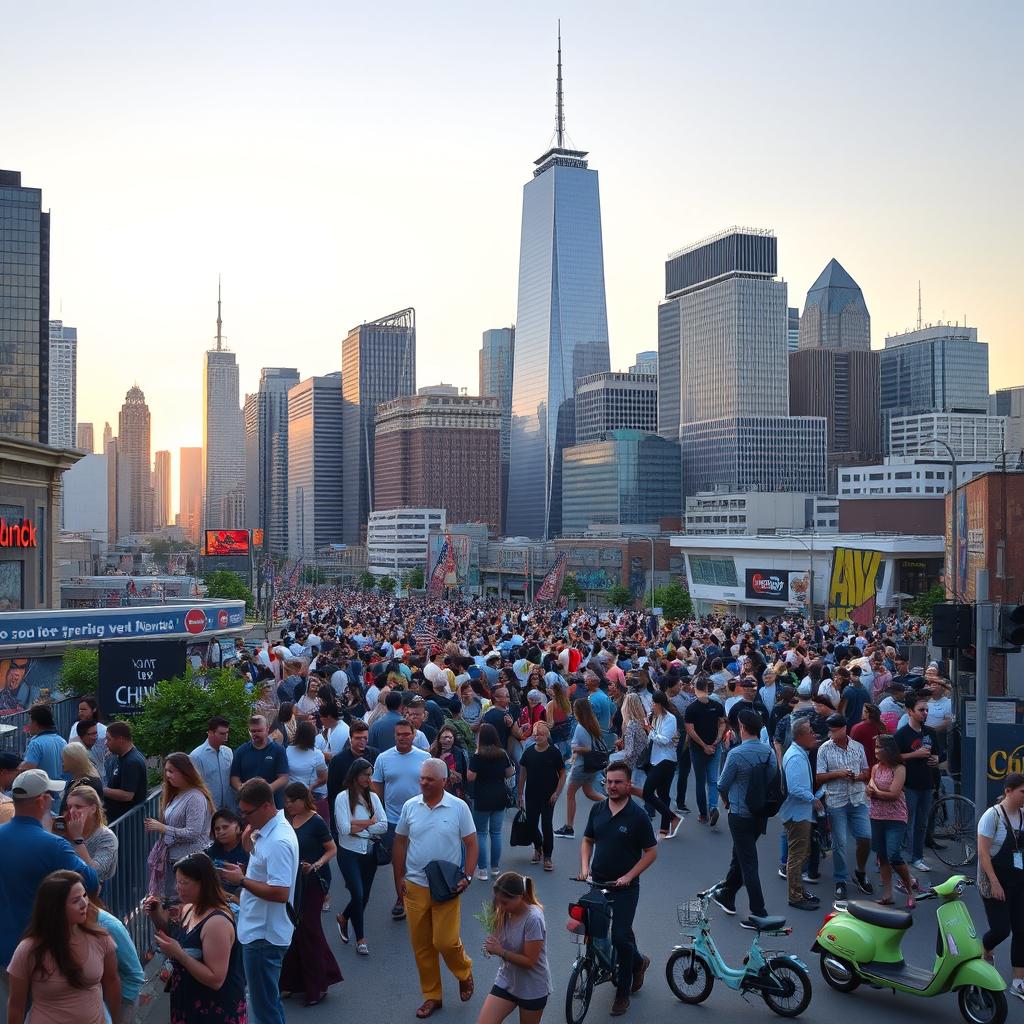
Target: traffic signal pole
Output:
[(985, 616)]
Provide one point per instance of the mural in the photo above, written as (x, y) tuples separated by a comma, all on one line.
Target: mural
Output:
[(595, 579), (25, 681)]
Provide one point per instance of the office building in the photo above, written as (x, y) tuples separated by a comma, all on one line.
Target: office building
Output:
[(561, 326), (439, 389), (646, 362), (232, 509), (835, 315), (1009, 403), (755, 453), (266, 456), (190, 492), (378, 363), (85, 439), (84, 497), (972, 437), (915, 477), (669, 379), (24, 311), (223, 432), (440, 451), (750, 513), (162, 489), (615, 401), (63, 370), (628, 477), (397, 539), (497, 358), (316, 494), (793, 329), (134, 465)]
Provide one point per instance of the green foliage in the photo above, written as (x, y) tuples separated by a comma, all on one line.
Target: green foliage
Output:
[(413, 579), (228, 586), (387, 584), (923, 604), (619, 596), (366, 580), (80, 671), (313, 576), (674, 601), (571, 589), (159, 546), (174, 715)]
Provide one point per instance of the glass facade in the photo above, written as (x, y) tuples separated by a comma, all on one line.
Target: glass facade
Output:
[(561, 333), (615, 401), (497, 359), (63, 370), (669, 384), (223, 436), (750, 251), (835, 315), (24, 311)]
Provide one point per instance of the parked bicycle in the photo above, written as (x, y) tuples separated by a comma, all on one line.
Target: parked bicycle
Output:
[(590, 924), (953, 828), (780, 978)]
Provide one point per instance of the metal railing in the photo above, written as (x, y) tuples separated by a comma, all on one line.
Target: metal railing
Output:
[(124, 893), (14, 739)]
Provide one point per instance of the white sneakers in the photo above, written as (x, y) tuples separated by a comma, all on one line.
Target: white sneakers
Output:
[(921, 865)]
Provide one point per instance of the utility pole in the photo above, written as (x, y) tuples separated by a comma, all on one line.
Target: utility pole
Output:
[(985, 611)]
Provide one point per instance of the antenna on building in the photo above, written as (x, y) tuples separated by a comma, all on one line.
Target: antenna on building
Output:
[(559, 107), (919, 305), (219, 338)]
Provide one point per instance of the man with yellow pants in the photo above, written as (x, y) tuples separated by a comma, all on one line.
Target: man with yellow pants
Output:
[(434, 826)]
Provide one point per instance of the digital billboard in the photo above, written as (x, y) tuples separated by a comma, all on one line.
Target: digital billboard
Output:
[(767, 585), (227, 542)]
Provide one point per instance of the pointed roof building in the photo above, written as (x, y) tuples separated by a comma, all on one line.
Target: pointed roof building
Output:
[(835, 315)]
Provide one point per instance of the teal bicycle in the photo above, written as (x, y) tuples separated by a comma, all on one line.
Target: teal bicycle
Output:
[(780, 978)]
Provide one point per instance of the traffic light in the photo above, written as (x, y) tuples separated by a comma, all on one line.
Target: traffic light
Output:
[(1011, 627), (952, 625)]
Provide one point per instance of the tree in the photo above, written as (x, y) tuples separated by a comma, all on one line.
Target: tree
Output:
[(387, 584), (228, 586), (572, 590), (674, 601), (923, 604), (366, 580), (80, 671), (413, 578), (619, 596), (175, 714)]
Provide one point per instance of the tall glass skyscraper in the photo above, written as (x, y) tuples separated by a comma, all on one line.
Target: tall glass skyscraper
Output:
[(497, 356), (561, 326)]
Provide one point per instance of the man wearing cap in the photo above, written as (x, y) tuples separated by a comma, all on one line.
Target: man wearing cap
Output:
[(843, 769)]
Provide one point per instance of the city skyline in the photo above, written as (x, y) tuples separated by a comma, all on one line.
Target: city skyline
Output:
[(899, 205)]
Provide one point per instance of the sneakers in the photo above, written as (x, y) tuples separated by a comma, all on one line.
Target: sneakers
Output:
[(862, 883), (481, 874), (723, 904), (566, 832), (748, 924), (702, 820), (713, 817), (639, 974), (805, 904), (921, 865), (1017, 989), (811, 879), (782, 871), (840, 890)]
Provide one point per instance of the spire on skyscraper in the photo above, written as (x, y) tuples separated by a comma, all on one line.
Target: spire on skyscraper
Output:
[(559, 106), (219, 337)]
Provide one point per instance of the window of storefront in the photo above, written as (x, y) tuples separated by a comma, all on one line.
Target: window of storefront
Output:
[(720, 572)]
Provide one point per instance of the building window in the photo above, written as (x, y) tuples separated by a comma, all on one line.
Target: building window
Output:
[(719, 572)]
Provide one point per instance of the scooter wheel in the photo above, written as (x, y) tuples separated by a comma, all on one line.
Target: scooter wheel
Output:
[(981, 1005), (845, 980), (689, 976)]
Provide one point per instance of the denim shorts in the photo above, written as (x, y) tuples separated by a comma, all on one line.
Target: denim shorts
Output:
[(887, 840)]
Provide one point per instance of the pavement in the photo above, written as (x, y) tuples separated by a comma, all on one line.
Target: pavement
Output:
[(383, 987)]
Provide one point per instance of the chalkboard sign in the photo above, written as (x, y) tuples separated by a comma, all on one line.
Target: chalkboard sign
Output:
[(130, 669)]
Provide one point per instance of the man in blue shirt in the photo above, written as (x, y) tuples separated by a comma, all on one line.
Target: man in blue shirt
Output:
[(45, 748), (798, 810), (604, 708)]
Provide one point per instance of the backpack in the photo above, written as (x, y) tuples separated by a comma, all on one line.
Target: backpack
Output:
[(764, 796)]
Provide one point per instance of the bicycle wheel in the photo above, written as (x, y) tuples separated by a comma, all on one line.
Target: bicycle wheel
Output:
[(581, 988), (954, 830), (689, 976), (796, 983)]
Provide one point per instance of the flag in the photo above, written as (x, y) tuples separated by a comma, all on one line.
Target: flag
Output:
[(551, 587), (443, 567), (424, 636)]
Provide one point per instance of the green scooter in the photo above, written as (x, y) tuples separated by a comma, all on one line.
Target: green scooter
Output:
[(860, 942)]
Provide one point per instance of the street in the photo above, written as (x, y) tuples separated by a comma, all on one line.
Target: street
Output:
[(383, 986)]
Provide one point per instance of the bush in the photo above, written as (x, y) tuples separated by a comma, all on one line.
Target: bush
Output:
[(366, 580), (674, 601), (413, 579), (620, 597), (80, 671), (228, 586), (174, 715), (571, 590), (387, 584), (923, 604)]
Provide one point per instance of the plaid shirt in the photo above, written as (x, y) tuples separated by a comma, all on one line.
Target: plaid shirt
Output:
[(832, 758)]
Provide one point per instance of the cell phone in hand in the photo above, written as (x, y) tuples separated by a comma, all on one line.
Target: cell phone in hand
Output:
[(59, 823)]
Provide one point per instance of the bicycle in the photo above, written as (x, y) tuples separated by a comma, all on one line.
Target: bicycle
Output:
[(780, 978), (590, 922), (953, 825)]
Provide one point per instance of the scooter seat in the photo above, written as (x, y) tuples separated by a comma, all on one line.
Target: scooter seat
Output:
[(768, 924), (883, 917)]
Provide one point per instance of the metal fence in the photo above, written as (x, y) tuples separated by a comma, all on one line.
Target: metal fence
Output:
[(14, 739), (124, 893)]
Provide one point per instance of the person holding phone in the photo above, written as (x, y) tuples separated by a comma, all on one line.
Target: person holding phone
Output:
[(917, 743)]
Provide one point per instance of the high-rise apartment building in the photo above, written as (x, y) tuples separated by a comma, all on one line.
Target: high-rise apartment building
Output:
[(24, 310), (561, 326), (835, 315), (266, 456), (440, 451), (133, 464), (190, 492), (1009, 403), (615, 401), (63, 371), (85, 440), (497, 361), (378, 363), (223, 432), (162, 489), (646, 362), (973, 437), (315, 454)]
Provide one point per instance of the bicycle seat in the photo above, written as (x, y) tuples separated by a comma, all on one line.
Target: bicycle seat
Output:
[(768, 924), (882, 917)]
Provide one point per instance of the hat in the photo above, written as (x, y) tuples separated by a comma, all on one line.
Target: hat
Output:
[(804, 689), (535, 695), (491, 655), (836, 721), (8, 761), (35, 782)]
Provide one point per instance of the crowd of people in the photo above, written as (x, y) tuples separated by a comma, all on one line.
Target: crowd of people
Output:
[(399, 734)]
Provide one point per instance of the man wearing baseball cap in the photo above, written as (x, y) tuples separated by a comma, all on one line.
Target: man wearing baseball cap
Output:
[(28, 854)]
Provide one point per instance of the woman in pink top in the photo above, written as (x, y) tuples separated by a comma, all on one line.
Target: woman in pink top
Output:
[(888, 813), (67, 965)]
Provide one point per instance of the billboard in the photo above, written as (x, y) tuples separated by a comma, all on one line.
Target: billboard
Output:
[(129, 671), (257, 537), (227, 542), (853, 585), (767, 585)]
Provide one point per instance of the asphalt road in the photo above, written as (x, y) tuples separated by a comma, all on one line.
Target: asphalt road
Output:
[(383, 987)]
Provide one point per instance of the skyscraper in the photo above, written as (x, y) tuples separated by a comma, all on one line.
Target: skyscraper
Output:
[(63, 361), (223, 432), (615, 401), (793, 331), (315, 436), (561, 325), (835, 315), (378, 363), (162, 489), (266, 456), (646, 362), (190, 491), (24, 311), (497, 360), (133, 464), (85, 440)]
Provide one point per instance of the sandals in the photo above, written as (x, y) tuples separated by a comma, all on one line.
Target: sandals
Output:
[(466, 989), (429, 1006)]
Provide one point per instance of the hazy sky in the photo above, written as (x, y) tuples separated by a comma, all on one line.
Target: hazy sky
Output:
[(336, 163)]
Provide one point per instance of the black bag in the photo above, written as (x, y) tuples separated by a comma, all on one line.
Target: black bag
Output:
[(521, 834), (443, 878), (595, 759), (382, 849), (764, 795), (645, 757)]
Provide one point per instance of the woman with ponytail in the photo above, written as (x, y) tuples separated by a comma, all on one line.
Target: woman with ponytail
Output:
[(523, 980)]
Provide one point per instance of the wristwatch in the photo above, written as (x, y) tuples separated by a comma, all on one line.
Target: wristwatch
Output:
[(79, 841)]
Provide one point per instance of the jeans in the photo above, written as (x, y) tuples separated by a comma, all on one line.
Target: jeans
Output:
[(743, 870), (846, 820), (658, 790), (705, 777), (262, 963), (683, 778), (623, 902), (358, 870), (919, 807), (887, 841), (489, 823)]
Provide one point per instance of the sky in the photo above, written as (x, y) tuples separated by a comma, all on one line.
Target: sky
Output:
[(336, 162)]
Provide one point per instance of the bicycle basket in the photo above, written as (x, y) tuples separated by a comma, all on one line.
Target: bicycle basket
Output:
[(598, 914), (691, 913)]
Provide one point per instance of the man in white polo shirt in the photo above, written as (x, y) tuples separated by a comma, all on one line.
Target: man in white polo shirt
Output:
[(268, 886), (434, 826)]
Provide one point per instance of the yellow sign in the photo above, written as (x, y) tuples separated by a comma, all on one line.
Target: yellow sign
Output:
[(853, 587), (1002, 762)]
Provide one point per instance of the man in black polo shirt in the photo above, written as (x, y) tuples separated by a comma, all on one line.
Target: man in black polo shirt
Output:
[(618, 847)]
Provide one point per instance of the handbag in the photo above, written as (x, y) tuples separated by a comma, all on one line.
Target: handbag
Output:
[(595, 759), (443, 878), (521, 834)]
